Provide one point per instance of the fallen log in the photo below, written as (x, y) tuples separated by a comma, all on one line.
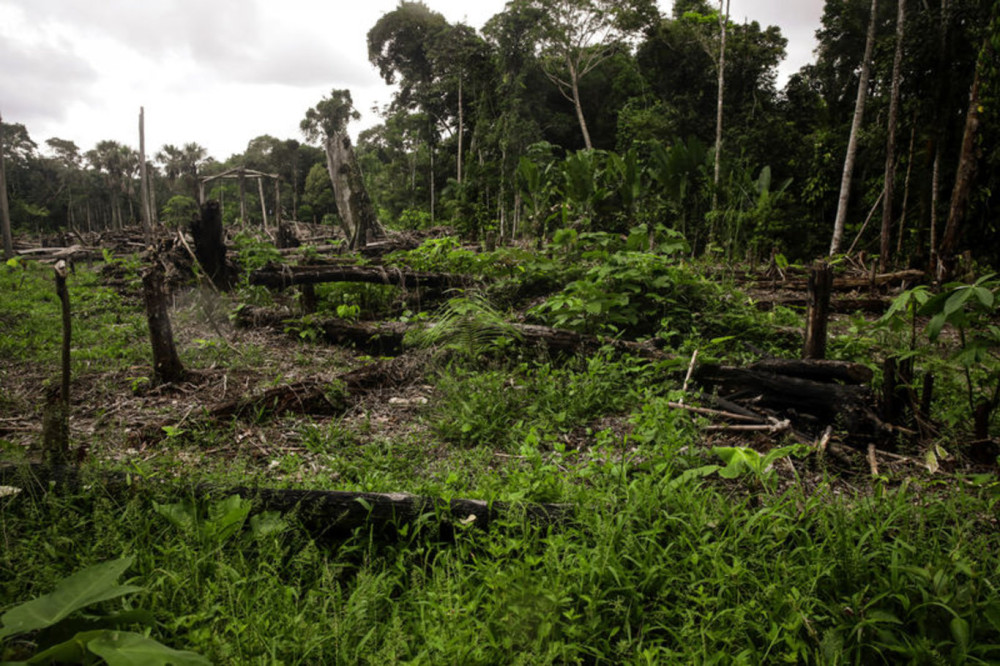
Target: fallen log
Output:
[(279, 277), (808, 403), (332, 512), (817, 369), (837, 305), (323, 513), (386, 338), (312, 396), (880, 280)]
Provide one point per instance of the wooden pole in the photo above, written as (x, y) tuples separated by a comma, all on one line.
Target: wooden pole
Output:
[(277, 202), (263, 204), (820, 286), (243, 198)]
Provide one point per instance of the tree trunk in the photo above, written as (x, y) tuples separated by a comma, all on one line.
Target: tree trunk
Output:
[(353, 204), (938, 135), (820, 286), (906, 188), (461, 128), (723, 23), (967, 162), (852, 144), (166, 364), (8, 239), (55, 420), (575, 83), (143, 185), (890, 146)]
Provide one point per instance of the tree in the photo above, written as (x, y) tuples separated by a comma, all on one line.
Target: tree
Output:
[(8, 239), (890, 146), (327, 123), (577, 35), (852, 144)]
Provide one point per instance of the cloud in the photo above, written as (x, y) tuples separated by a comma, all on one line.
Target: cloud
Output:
[(40, 81)]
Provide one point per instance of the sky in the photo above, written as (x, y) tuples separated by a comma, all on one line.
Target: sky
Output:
[(221, 72)]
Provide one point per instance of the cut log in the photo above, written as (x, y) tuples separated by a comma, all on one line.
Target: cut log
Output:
[(323, 513), (279, 277), (805, 401), (386, 338), (338, 513), (817, 370)]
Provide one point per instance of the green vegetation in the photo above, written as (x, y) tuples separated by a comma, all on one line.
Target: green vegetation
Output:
[(587, 188)]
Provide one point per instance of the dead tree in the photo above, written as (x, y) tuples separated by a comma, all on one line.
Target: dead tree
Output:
[(55, 421), (167, 366), (8, 239), (210, 243), (353, 204)]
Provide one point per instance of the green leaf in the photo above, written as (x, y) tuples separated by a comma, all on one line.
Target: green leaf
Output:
[(183, 515), (93, 584), (73, 651), (267, 523), (956, 301), (737, 459), (695, 473), (227, 516), (935, 325), (124, 648), (984, 296), (960, 632)]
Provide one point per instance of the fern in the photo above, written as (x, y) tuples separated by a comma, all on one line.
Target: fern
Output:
[(467, 326)]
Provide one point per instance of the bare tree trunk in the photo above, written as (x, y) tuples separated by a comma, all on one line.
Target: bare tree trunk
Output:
[(166, 364), (890, 146), (8, 239), (906, 188), (723, 23), (143, 186), (939, 137), (852, 144), (55, 419), (353, 204), (967, 163), (575, 82), (461, 128)]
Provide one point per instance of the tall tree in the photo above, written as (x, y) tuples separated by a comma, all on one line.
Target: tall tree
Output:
[(852, 144), (8, 239), (890, 145), (723, 22), (577, 36)]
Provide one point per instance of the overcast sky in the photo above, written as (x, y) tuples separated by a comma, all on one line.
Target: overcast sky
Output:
[(221, 72)]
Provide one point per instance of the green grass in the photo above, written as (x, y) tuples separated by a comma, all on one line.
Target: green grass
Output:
[(649, 572), (663, 561)]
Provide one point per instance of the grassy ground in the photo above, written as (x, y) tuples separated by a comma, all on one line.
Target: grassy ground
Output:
[(666, 560)]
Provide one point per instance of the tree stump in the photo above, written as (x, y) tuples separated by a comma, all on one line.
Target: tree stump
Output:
[(820, 286), (166, 365), (210, 244)]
